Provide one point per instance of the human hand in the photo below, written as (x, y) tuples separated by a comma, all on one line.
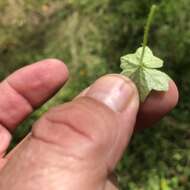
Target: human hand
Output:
[(75, 145)]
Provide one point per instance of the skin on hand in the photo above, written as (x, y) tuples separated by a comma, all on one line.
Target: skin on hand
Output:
[(109, 107)]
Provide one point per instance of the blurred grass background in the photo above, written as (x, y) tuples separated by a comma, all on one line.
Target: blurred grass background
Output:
[(90, 36)]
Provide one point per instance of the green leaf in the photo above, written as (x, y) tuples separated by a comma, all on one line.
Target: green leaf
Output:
[(149, 60), (144, 72)]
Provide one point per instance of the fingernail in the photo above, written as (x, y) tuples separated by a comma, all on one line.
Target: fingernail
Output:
[(115, 91)]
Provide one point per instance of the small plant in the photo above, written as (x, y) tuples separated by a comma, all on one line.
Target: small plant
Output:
[(141, 66)]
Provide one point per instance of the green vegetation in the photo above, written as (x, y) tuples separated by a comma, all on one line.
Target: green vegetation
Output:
[(91, 36), (142, 66)]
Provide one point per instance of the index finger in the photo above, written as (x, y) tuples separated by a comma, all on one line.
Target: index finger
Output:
[(157, 105)]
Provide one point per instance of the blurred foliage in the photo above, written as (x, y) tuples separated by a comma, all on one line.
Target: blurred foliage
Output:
[(90, 36)]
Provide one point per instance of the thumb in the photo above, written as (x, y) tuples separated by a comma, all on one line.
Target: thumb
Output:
[(81, 141), (94, 129)]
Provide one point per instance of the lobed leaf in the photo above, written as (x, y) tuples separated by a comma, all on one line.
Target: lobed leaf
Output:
[(145, 74)]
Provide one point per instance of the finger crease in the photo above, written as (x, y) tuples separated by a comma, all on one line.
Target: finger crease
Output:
[(20, 94), (72, 127)]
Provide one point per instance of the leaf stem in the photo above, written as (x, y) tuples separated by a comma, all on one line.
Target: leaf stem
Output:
[(147, 29)]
